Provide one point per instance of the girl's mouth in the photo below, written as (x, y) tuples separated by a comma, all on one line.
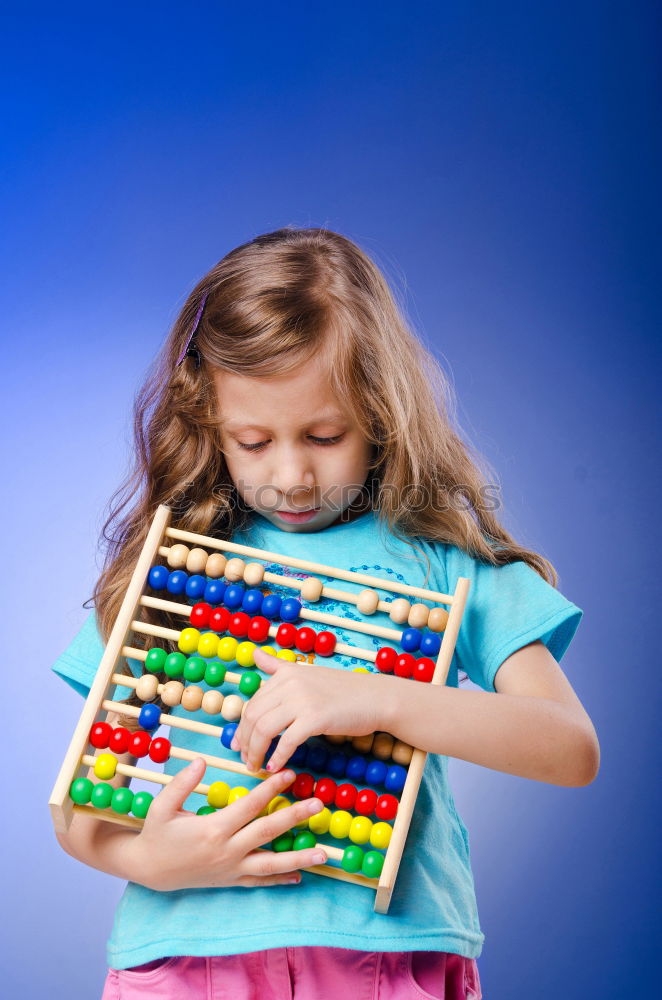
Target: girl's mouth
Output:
[(300, 517)]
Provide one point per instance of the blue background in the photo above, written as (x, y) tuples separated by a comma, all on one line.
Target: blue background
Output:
[(500, 162)]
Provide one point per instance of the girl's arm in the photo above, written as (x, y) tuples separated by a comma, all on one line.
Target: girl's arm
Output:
[(535, 727)]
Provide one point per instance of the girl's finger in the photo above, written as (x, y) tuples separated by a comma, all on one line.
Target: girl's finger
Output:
[(264, 829), (292, 737), (268, 726), (266, 863), (229, 820), (262, 701), (254, 881)]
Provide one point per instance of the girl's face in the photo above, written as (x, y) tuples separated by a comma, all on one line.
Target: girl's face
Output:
[(290, 448)]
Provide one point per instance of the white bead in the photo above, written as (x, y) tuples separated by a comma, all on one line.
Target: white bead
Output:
[(196, 561), (311, 589), (147, 687), (234, 570), (253, 574), (367, 602), (216, 564), (232, 707), (177, 556)]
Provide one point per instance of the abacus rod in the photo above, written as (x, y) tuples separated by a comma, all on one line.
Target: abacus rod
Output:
[(311, 567)]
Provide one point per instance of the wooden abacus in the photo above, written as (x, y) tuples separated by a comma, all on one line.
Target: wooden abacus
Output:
[(73, 792)]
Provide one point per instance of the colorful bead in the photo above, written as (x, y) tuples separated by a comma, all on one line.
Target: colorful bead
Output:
[(325, 643), (337, 764), (158, 577), (244, 655), (367, 602), (199, 614), (305, 639), (191, 698), (404, 665), (227, 734), (141, 803), (418, 615), (411, 639), (380, 835), (194, 669), (227, 648), (219, 619), (298, 758), (212, 702), (402, 753), (159, 750), (215, 673), (147, 687), (208, 645), (395, 779), (304, 840), (340, 824), (387, 807), (234, 595), (385, 659), (438, 619), (176, 582), (216, 564), (101, 796), (286, 635), (356, 768), (215, 591), (119, 740), (375, 772), (234, 569), (258, 629), (345, 796), (423, 669), (253, 574), (81, 791), (139, 743), (366, 801), (171, 693), (195, 586), (382, 746), (373, 862), (311, 589), (122, 800), (177, 555), (325, 791), (237, 793), (287, 654), (283, 843), (218, 794), (249, 683), (430, 644), (196, 561), (316, 756), (352, 859), (271, 606), (279, 802), (150, 717), (290, 609), (232, 708), (360, 830), (155, 659), (319, 822), (175, 662), (100, 734), (252, 601), (399, 610), (205, 811), (303, 785), (238, 624)]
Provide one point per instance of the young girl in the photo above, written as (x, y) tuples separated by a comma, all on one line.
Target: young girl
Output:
[(304, 418)]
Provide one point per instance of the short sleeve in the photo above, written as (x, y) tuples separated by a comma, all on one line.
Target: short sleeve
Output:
[(507, 608), (79, 662)]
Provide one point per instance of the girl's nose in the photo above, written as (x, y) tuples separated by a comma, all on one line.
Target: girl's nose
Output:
[(294, 477)]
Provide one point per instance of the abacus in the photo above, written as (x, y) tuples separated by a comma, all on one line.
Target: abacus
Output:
[(233, 610)]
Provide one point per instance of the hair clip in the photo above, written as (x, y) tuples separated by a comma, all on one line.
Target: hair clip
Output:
[(196, 321)]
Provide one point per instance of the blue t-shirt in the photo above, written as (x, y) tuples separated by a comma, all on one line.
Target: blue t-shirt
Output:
[(433, 906)]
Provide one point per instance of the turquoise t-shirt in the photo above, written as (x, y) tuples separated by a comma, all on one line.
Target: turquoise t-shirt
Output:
[(433, 906)]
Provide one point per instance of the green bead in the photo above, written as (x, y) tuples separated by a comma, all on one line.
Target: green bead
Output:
[(372, 865), (205, 810), (101, 795), (194, 669), (155, 659), (81, 791), (215, 673), (174, 665), (352, 859), (249, 683), (283, 843), (303, 840), (122, 800), (141, 803)]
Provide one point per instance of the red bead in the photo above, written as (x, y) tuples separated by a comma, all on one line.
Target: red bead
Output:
[(387, 807), (366, 801), (159, 749), (303, 785), (325, 791), (286, 635), (199, 614), (239, 624), (404, 665), (385, 659), (423, 669), (305, 640), (325, 644), (139, 743), (258, 628), (119, 740), (346, 796), (219, 619), (100, 734)]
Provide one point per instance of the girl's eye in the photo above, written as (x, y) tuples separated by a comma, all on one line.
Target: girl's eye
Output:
[(317, 440)]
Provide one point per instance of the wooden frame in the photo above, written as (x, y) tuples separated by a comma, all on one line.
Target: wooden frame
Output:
[(159, 539)]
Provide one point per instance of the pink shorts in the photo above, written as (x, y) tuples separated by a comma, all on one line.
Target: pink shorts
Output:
[(308, 973)]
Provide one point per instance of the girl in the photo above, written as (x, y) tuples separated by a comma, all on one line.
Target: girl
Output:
[(304, 418)]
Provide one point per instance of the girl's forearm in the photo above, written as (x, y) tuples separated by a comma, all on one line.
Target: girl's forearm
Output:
[(102, 845), (534, 738)]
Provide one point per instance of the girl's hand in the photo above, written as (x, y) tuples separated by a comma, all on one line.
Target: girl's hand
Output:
[(178, 850), (306, 700)]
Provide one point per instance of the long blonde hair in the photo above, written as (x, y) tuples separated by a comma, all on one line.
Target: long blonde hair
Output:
[(272, 303)]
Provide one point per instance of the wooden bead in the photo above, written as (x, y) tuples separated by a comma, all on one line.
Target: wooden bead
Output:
[(196, 561), (147, 687), (418, 615), (192, 698), (399, 610), (253, 574), (234, 570), (212, 702), (367, 602), (171, 693), (402, 753), (177, 556), (336, 740), (215, 567), (438, 620), (311, 589), (232, 707), (363, 743), (382, 746)]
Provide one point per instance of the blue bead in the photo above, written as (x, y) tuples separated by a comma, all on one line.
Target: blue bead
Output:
[(430, 644), (316, 757), (149, 716), (337, 764), (375, 772), (195, 586), (356, 767), (395, 778), (272, 746), (290, 609), (298, 757), (177, 581), (411, 639), (252, 601), (234, 595), (227, 734), (215, 591), (271, 606), (158, 577)]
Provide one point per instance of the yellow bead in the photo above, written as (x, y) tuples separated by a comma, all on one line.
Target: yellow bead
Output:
[(360, 670), (287, 654), (280, 802), (268, 649), (208, 644), (237, 793), (218, 794), (359, 831), (319, 823), (380, 835), (227, 648), (244, 654), (188, 640), (340, 823), (105, 765)]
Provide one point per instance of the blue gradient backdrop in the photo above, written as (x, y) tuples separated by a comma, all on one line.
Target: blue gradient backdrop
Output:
[(501, 162)]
